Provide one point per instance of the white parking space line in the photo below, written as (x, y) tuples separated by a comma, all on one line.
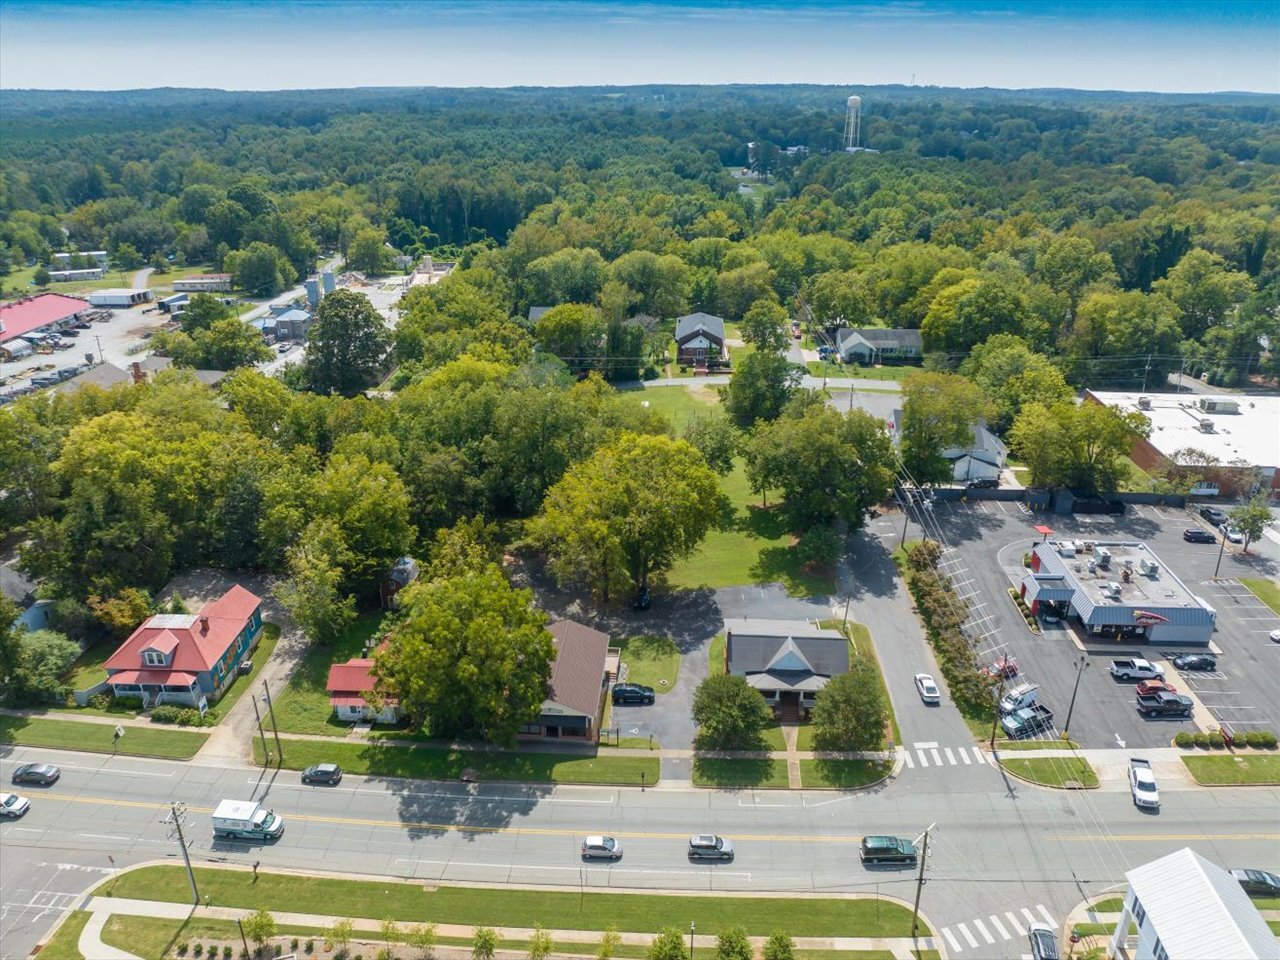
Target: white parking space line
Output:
[(977, 925), (967, 935), (995, 922), (951, 939)]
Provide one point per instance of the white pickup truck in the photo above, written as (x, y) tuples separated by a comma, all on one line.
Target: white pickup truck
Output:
[(1142, 784), (1136, 670)]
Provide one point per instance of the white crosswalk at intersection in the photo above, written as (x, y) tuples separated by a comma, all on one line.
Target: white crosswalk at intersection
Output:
[(991, 929), (927, 755)]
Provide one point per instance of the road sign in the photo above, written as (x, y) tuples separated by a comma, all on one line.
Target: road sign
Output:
[(119, 731)]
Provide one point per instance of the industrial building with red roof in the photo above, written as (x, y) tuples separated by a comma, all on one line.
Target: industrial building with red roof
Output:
[(38, 315)]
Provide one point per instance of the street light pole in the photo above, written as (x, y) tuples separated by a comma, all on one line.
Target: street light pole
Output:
[(1081, 666), (692, 927)]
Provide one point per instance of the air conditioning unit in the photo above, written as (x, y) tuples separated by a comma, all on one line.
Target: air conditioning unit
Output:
[(1104, 557), (1149, 567), (1206, 425), (1144, 403)]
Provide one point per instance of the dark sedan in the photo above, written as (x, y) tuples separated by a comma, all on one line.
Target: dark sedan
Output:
[(1258, 883), (632, 693), (1197, 661), (329, 773), (41, 773), (1196, 535), (1213, 515)]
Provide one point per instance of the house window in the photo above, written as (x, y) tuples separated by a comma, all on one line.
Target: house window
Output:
[(153, 658), (1159, 951), (1139, 914)]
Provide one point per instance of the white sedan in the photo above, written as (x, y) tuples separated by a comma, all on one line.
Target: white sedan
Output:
[(928, 689), (1275, 636), (12, 805), (1232, 534)]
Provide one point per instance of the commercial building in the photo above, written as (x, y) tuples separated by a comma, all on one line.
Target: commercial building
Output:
[(1186, 908), (787, 661), (204, 283), (37, 316), (1118, 590), (119, 297), (1230, 443)]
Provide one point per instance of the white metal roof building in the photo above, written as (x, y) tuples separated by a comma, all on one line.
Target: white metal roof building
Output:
[(119, 297), (1187, 908)]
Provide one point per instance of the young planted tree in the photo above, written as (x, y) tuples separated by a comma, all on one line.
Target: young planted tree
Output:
[(668, 945), (732, 944), (730, 714), (422, 937), (610, 940), (779, 946), (484, 943), (1251, 519), (540, 945), (259, 926)]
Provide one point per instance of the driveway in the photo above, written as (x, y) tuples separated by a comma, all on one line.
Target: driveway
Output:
[(140, 278)]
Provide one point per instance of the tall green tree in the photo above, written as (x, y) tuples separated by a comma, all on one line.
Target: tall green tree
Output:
[(1251, 518), (369, 252), (1011, 375), (760, 387), (730, 714), (347, 346), (764, 326), (939, 411), (313, 593), (575, 333), (261, 269), (1205, 290), (850, 712), (1077, 446)]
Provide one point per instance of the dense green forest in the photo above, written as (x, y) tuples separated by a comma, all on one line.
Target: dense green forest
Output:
[(1097, 238)]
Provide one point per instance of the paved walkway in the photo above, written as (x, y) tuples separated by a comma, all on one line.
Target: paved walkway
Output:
[(101, 908)]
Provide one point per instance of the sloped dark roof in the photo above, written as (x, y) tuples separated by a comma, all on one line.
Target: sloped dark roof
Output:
[(826, 652), (577, 673), (691, 323), (880, 338)]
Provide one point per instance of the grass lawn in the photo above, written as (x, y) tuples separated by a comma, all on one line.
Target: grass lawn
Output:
[(773, 737), (679, 404), (845, 774), (1275, 926), (304, 707), (65, 942), (755, 548), (434, 763), (1037, 745), (1268, 591), (1232, 771), (715, 654), (652, 661), (1110, 905), (412, 902), (1132, 478), (97, 738), (1267, 903), (739, 773), (1063, 772), (87, 669)]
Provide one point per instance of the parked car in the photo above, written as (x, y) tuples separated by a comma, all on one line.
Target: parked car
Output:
[(329, 773), (1147, 687), (888, 850), (284, 347), (632, 693), (1258, 883), (601, 848), (1044, 945), (41, 773), (1197, 535), (1275, 636), (1213, 515), (707, 846), (1025, 722), (1165, 705), (13, 806), (1232, 533), (983, 483), (245, 667), (1142, 784), (642, 600), (927, 688), (1006, 667), (1196, 661), (826, 353)]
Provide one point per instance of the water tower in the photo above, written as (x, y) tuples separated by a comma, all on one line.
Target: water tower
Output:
[(853, 125)]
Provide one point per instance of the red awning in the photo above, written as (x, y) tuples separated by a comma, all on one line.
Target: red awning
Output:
[(1043, 530), (168, 678)]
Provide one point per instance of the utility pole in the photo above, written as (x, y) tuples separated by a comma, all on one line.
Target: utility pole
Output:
[(906, 518), (1145, 371), (1221, 548), (924, 855), (996, 719), (99, 339), (1081, 666), (272, 712), (177, 812), (266, 754)]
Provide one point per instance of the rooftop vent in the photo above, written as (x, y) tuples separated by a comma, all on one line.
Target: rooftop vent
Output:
[(1144, 403)]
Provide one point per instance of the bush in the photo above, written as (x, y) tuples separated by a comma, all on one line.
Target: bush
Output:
[(126, 703), (1217, 740), (1265, 739), (182, 948), (1184, 739), (226, 952), (198, 949), (293, 944), (310, 946), (100, 701), (1201, 739), (279, 949), (165, 714)]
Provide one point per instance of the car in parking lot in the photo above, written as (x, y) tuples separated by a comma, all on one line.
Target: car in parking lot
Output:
[(1274, 636), (708, 846), (1234, 534), (329, 773), (1195, 661), (1213, 515), (601, 848), (632, 693), (927, 689), (1257, 883), (13, 806), (983, 483), (1147, 687), (1044, 945), (41, 773), (884, 849), (1198, 535)]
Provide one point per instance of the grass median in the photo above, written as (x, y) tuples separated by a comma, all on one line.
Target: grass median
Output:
[(739, 773), (1016, 745), (414, 902), (435, 763), (1229, 771), (65, 942), (1268, 591), (1063, 773), (98, 738), (843, 774)]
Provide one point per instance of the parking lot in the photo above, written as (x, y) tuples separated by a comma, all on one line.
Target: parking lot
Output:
[(989, 539)]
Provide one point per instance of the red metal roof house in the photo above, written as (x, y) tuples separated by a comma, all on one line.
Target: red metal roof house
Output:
[(347, 685)]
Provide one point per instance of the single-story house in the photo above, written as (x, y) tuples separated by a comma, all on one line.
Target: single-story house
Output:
[(872, 345), (579, 678), (15, 586), (787, 661), (402, 573), (203, 283), (984, 457), (97, 256), (347, 685), (185, 658), (76, 275), (699, 338)]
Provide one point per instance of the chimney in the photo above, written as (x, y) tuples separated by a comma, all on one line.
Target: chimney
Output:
[(138, 375), (204, 625)]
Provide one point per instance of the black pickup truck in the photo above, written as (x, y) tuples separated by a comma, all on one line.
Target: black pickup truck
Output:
[(1164, 704)]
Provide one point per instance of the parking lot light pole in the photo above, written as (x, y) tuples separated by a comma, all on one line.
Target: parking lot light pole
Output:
[(1081, 666)]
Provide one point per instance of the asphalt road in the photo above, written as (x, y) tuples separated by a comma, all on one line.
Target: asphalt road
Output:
[(997, 845)]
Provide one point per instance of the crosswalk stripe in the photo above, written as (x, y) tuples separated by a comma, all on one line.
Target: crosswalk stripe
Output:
[(951, 939), (995, 922), (1018, 926), (983, 930), (951, 757), (1031, 917), (964, 755), (924, 761), (982, 757), (937, 757), (1045, 913), (967, 935), (906, 755)]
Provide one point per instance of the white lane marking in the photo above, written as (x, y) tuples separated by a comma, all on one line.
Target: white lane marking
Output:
[(995, 922), (1018, 926), (951, 757), (924, 761), (964, 755), (100, 769), (951, 939), (542, 866), (468, 797), (967, 935), (100, 836), (983, 930), (1031, 917), (937, 757)]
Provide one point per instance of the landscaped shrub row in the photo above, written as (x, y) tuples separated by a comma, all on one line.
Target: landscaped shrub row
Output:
[(1264, 739), (105, 701), (183, 716), (944, 614), (1023, 609)]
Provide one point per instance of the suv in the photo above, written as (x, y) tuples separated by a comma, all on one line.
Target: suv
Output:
[(1213, 515), (601, 848), (888, 850), (1196, 535), (1044, 945), (329, 773), (707, 846), (983, 483), (632, 693)]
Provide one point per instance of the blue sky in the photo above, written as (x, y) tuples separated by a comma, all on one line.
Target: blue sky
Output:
[(1171, 45)]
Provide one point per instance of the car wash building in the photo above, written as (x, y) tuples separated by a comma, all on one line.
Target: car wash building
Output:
[(1117, 590)]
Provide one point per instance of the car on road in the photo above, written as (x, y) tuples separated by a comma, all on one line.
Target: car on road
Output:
[(41, 773), (284, 347), (1234, 534), (1147, 687), (708, 846), (1142, 784), (601, 848), (329, 773), (13, 806), (1213, 515), (632, 693), (1044, 945), (1198, 535), (927, 688), (1195, 661), (1258, 883), (888, 850)]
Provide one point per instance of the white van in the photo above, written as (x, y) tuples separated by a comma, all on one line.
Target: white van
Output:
[(1019, 698)]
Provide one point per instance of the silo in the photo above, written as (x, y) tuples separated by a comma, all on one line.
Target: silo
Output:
[(312, 285), (330, 284)]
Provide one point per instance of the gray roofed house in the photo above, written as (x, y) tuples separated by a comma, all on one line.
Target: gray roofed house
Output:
[(578, 678), (878, 344), (535, 313), (787, 661), (699, 337)]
